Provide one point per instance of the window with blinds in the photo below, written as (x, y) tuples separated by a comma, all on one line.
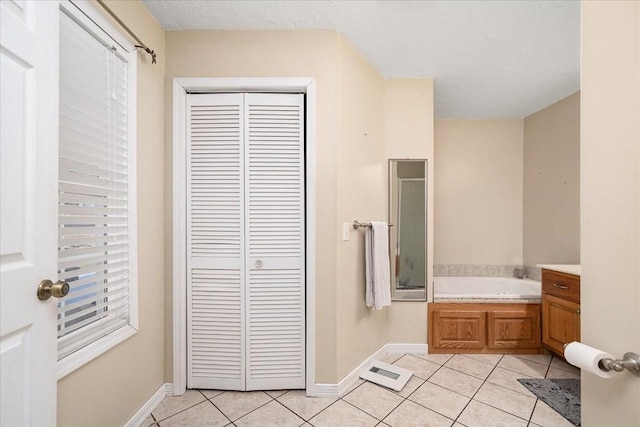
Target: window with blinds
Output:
[(96, 196)]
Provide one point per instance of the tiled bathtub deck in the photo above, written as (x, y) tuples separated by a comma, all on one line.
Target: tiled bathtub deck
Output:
[(446, 390)]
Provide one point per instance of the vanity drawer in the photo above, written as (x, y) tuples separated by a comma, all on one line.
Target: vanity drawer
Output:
[(561, 285)]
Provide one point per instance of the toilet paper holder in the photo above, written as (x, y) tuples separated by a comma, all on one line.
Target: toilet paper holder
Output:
[(630, 362)]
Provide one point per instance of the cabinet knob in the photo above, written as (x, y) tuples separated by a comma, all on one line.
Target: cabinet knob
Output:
[(578, 311), (560, 286)]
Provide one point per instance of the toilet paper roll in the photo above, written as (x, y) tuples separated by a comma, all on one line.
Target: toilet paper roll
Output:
[(587, 358)]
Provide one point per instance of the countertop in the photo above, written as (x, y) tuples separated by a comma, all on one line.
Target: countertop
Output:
[(563, 268)]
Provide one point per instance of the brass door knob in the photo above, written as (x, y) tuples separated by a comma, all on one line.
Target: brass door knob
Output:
[(47, 289)]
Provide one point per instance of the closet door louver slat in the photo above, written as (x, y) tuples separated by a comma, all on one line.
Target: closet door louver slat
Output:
[(214, 240), (274, 175)]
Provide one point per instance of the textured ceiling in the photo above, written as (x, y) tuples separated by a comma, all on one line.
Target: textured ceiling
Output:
[(489, 59)]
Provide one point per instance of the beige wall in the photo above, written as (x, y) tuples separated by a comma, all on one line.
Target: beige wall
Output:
[(478, 191), (409, 134), (361, 173), (552, 184), (272, 54), (610, 204), (111, 388)]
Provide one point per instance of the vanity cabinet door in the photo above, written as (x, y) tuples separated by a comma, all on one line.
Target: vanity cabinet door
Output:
[(561, 322)]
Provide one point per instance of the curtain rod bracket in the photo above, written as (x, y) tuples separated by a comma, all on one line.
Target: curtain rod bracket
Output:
[(149, 51)]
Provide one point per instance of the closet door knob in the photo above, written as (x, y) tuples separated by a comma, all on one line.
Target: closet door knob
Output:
[(258, 264)]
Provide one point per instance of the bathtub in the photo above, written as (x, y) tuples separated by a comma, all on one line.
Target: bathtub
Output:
[(491, 289)]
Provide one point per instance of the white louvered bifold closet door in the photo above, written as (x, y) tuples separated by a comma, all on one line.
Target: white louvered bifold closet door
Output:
[(215, 242), (274, 136), (245, 226)]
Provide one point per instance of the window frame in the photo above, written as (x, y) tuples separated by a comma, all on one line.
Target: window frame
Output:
[(96, 23)]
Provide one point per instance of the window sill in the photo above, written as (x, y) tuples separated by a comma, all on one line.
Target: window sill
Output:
[(83, 356)]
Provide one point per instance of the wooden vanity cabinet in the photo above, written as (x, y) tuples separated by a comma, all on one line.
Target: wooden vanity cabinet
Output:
[(560, 310)]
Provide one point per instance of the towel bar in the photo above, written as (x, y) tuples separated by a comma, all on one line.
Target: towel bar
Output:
[(357, 224)]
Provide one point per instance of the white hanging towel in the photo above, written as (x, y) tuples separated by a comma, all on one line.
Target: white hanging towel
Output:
[(377, 276)]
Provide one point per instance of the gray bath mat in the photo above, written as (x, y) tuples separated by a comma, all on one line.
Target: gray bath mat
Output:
[(563, 395)]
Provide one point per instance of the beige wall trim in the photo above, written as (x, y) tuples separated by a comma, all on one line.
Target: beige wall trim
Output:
[(152, 403), (181, 86)]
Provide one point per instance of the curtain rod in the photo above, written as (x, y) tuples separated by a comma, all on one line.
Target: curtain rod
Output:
[(141, 45)]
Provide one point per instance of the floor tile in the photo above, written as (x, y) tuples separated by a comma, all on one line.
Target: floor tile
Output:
[(390, 357), (469, 366), (491, 359), (374, 400), (273, 414), (478, 414), (420, 367), (211, 393), (561, 373), (343, 414), (173, 404), (509, 379), (276, 393), (522, 366), (305, 407), (453, 381), (411, 386), (235, 404), (355, 385), (544, 416), (507, 400), (441, 400), (203, 414), (543, 359), (440, 359), (456, 381), (412, 414), (561, 364)]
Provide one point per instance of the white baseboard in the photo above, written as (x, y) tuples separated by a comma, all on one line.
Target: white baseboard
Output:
[(317, 390), (337, 390), (163, 391), (323, 390)]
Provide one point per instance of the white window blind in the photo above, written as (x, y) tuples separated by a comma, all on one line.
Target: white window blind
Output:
[(95, 191)]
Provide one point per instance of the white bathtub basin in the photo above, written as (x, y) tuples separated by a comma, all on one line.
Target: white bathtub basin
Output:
[(507, 288)]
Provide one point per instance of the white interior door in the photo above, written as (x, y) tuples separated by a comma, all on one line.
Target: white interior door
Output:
[(610, 204), (245, 241), (28, 217)]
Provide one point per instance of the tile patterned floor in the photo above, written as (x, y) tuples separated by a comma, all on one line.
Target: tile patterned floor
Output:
[(446, 390)]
